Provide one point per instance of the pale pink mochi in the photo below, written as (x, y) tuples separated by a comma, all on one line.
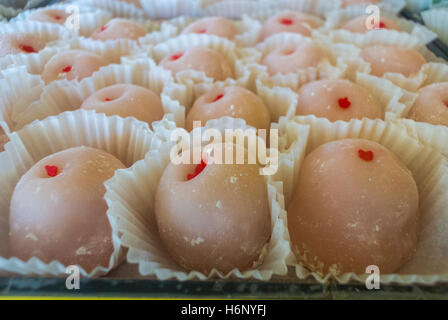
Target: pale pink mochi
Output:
[(431, 105), (14, 43), (217, 26), (290, 58), (126, 100), (338, 99), (73, 64), (209, 61), (49, 15), (358, 25), (355, 204), (295, 22), (119, 29), (58, 211), (233, 101), (385, 59)]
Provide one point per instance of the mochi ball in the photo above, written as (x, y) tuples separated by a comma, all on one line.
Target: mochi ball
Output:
[(431, 105), (14, 43)]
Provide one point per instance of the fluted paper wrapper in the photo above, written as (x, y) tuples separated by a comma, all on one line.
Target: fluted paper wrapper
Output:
[(434, 136), (236, 8), (429, 264), (131, 193), (436, 20), (14, 82), (64, 95), (317, 7), (192, 78), (393, 6), (335, 66), (338, 18), (127, 139)]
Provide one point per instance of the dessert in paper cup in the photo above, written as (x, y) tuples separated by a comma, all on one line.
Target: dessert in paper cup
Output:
[(65, 148), (435, 19), (354, 19), (290, 59), (396, 56), (139, 89), (244, 31), (197, 58), (143, 223), (90, 18), (409, 249), (348, 98)]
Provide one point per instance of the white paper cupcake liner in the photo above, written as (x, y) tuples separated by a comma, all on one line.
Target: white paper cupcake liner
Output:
[(336, 65), (13, 83), (436, 20), (61, 96), (434, 136), (429, 264), (317, 7), (173, 8), (127, 139), (130, 195), (47, 32), (393, 6), (338, 18), (191, 78)]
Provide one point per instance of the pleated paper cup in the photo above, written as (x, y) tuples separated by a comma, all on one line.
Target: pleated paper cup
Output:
[(119, 9), (13, 83), (337, 64), (90, 18), (168, 9), (248, 29), (429, 264), (436, 20), (338, 18), (433, 136), (191, 78), (127, 139), (61, 96), (131, 193)]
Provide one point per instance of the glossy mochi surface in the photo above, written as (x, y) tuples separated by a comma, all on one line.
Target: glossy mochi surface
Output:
[(431, 105), (355, 205), (58, 211), (233, 101), (338, 99), (218, 219), (126, 100), (209, 61), (119, 29), (14, 43), (291, 58), (71, 65), (217, 26), (385, 59)]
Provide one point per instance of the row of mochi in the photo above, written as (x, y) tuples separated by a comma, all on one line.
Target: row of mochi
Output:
[(84, 189), (370, 80)]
